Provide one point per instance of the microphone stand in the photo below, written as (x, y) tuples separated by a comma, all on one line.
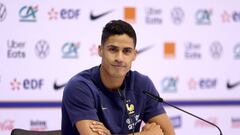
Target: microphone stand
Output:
[(159, 99)]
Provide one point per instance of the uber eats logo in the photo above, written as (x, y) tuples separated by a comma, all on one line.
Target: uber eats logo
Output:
[(27, 84), (16, 49)]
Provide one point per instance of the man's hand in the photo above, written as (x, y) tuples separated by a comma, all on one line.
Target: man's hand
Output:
[(99, 128), (151, 129)]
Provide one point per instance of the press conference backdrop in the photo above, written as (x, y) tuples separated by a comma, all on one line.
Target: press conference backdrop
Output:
[(190, 50)]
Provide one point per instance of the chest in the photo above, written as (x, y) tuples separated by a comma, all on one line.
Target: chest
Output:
[(118, 114)]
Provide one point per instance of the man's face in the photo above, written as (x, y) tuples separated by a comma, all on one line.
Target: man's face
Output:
[(117, 54)]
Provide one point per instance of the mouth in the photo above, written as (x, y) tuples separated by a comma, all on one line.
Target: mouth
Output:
[(118, 66)]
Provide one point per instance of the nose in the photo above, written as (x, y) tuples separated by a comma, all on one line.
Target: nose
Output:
[(119, 56)]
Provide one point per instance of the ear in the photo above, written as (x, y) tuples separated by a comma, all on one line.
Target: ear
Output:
[(100, 50), (135, 54)]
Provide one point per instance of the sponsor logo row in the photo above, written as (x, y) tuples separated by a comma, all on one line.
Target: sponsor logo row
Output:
[(170, 84), (37, 125), (167, 84), (177, 120), (17, 49), (151, 15), (71, 49)]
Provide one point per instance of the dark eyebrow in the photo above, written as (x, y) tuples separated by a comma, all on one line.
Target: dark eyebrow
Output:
[(129, 48), (111, 46)]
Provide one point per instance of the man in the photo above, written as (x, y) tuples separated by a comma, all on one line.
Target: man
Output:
[(108, 99)]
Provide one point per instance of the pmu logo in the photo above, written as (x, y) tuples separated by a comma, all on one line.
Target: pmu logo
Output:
[(169, 84), (203, 16), (70, 50), (7, 125), (27, 84), (38, 125), (203, 124), (28, 13), (235, 122), (64, 14), (3, 12)]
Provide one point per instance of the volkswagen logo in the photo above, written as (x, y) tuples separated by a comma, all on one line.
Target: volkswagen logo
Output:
[(216, 50), (177, 15), (3, 12), (42, 49)]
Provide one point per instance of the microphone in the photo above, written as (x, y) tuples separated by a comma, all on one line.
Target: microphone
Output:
[(159, 99)]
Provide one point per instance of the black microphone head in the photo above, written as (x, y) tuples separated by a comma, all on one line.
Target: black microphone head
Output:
[(153, 96)]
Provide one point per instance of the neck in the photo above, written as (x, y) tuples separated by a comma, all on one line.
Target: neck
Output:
[(111, 83)]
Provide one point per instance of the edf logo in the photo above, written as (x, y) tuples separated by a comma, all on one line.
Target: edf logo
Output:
[(69, 13), (32, 84), (208, 83), (27, 84)]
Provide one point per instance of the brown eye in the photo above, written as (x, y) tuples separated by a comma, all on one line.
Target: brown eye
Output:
[(127, 51), (112, 49)]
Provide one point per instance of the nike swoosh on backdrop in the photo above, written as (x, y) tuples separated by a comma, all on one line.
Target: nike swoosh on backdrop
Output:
[(144, 49), (57, 86), (232, 85), (95, 17)]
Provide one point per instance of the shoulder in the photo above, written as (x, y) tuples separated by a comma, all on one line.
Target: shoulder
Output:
[(81, 82), (139, 82), (139, 77), (85, 76)]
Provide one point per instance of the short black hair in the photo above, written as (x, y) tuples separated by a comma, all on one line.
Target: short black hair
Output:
[(118, 27)]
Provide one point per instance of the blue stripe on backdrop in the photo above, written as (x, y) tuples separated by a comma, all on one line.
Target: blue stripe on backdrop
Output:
[(206, 103), (29, 104), (177, 103)]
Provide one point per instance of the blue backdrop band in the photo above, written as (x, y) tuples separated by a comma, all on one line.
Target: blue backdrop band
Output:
[(177, 103)]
